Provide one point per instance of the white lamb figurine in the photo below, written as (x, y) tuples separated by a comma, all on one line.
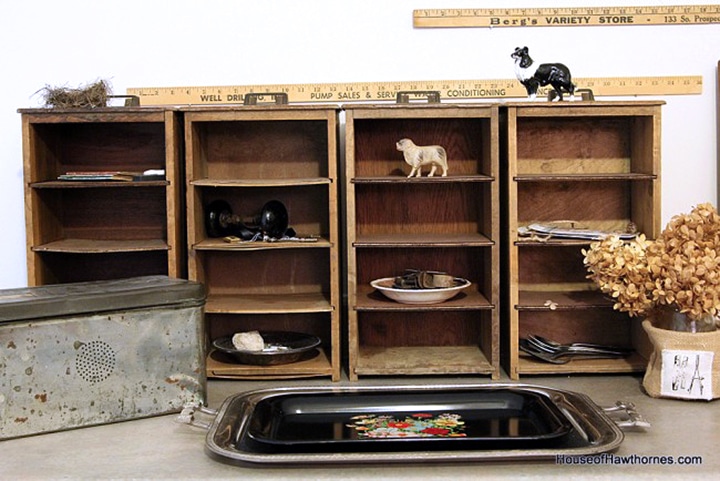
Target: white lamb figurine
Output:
[(416, 156)]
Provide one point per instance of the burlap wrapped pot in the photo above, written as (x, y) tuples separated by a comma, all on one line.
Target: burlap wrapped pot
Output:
[(664, 339)]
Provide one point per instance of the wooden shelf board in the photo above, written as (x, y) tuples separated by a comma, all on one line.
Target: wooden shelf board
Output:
[(227, 113), (145, 113), (620, 108), (564, 300), (369, 299), (583, 177), (284, 182), (218, 366), (67, 184), (632, 363), (220, 244), (392, 179), (267, 303), (93, 246), (423, 240), (529, 242), (422, 360)]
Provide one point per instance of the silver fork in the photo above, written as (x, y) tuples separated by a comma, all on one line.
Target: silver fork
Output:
[(564, 354), (531, 349), (577, 347)]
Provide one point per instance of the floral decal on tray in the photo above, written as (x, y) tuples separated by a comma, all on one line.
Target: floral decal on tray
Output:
[(420, 425)]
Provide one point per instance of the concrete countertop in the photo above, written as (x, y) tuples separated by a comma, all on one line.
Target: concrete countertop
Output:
[(160, 448)]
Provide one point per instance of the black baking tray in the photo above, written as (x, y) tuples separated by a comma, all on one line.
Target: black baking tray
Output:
[(338, 422)]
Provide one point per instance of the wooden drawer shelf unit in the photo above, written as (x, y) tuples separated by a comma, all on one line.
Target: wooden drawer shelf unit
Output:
[(441, 223), (598, 165), (99, 230), (248, 156)]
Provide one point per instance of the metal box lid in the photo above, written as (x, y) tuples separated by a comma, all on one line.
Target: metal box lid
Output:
[(58, 300)]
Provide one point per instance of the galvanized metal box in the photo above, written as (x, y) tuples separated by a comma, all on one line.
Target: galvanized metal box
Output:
[(90, 353)]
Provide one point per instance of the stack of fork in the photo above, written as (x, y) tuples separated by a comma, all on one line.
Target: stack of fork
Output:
[(556, 353)]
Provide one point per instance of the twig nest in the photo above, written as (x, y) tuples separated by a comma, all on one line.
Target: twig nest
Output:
[(89, 96)]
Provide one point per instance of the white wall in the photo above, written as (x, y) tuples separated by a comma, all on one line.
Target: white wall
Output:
[(143, 43)]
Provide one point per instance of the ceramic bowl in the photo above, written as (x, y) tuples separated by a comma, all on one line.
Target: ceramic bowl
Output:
[(419, 296)]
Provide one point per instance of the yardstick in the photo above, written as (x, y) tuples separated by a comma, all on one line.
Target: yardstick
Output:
[(450, 90), (567, 17)]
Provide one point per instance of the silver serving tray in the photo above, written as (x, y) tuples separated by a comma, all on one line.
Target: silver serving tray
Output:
[(232, 434)]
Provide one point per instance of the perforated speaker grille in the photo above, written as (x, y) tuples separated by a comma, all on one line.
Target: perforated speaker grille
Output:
[(95, 361)]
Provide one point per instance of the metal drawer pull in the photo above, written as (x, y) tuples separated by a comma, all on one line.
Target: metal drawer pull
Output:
[(276, 98), (404, 97)]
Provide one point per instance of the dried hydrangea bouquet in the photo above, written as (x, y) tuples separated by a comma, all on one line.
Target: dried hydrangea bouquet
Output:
[(674, 281), (676, 275)]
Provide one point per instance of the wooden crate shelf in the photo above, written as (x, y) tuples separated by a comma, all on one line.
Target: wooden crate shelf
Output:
[(247, 156), (632, 363), (441, 223), (369, 299), (100, 230), (259, 182), (91, 246), (423, 240), (221, 245), (268, 303), (425, 360), (597, 165), (222, 368), (510, 165)]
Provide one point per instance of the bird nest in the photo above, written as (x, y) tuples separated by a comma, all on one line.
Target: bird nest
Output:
[(89, 96)]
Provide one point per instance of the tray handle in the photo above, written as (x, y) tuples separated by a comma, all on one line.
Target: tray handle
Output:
[(628, 415), (189, 416)]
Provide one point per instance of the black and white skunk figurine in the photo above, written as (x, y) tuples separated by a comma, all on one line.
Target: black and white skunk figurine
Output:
[(533, 76)]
